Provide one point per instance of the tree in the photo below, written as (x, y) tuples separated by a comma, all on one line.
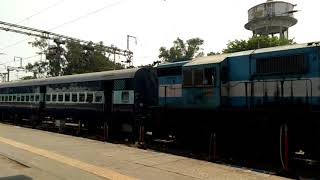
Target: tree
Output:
[(88, 58), (73, 58), (213, 53), (55, 59), (256, 42), (182, 51), (39, 69), (27, 78)]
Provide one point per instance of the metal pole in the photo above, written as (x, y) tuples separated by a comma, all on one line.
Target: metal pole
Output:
[(128, 42), (8, 74), (114, 60)]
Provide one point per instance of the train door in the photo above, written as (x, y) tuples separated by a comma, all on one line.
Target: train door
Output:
[(108, 87), (43, 91), (216, 86), (211, 85)]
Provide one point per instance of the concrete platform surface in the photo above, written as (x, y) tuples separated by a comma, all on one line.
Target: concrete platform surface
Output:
[(34, 154)]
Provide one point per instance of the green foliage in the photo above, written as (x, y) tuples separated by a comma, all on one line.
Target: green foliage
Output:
[(39, 69), (182, 51), (213, 53), (73, 58), (27, 78), (256, 42)]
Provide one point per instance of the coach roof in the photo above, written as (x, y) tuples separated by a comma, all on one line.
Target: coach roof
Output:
[(221, 57), (96, 76)]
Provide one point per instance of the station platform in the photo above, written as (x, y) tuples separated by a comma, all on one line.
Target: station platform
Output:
[(27, 154)]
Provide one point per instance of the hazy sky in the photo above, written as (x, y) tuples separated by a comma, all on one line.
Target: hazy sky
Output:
[(155, 23)]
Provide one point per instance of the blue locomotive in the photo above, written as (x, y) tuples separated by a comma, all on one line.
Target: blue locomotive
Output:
[(246, 101)]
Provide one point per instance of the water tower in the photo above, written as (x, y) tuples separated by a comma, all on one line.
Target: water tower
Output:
[(271, 17)]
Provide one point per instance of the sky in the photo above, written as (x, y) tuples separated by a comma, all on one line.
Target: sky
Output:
[(155, 23)]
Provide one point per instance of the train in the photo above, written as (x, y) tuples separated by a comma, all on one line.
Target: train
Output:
[(258, 104)]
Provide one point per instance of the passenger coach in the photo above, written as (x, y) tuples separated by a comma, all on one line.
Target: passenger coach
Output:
[(117, 97)]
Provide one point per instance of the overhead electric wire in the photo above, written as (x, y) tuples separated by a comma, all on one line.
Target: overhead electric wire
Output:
[(69, 22), (41, 11), (35, 14)]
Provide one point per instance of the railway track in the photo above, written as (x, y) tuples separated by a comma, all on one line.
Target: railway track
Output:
[(300, 170)]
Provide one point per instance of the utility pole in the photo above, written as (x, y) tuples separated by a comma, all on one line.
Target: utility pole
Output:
[(18, 58), (128, 48), (10, 68)]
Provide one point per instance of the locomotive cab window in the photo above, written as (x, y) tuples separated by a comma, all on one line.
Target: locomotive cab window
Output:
[(209, 76), (187, 77), (198, 77)]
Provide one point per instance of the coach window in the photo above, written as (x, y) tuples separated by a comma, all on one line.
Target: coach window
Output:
[(37, 97), (67, 97), (125, 96), (82, 97), (98, 98), (27, 98), (2, 98), (74, 97), (54, 97), (10, 98), (14, 98), (198, 77), (48, 97), (89, 97), (18, 98), (60, 97), (187, 77), (22, 98), (31, 98)]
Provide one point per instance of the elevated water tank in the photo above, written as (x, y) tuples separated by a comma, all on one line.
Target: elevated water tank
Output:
[(271, 17)]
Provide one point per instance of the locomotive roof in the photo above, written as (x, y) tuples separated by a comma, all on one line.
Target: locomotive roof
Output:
[(172, 64), (220, 57), (96, 76)]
